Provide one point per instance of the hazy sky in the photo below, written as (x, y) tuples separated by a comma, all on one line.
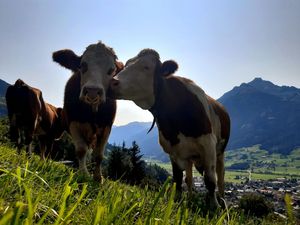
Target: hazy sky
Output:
[(218, 44)]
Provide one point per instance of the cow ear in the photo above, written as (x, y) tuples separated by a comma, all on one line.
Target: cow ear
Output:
[(119, 66), (67, 58), (169, 67)]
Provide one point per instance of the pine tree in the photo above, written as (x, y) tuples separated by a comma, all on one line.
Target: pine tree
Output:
[(138, 170), (118, 164)]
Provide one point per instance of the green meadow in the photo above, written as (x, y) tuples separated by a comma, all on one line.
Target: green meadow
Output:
[(37, 192)]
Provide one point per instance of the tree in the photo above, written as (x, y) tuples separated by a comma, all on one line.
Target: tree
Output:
[(118, 163), (138, 165)]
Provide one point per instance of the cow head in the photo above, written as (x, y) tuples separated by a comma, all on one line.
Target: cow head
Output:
[(137, 80), (97, 65)]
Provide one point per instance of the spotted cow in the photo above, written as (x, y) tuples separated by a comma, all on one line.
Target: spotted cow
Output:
[(29, 115), (89, 114), (193, 128)]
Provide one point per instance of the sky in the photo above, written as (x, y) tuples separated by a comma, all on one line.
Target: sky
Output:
[(218, 44)]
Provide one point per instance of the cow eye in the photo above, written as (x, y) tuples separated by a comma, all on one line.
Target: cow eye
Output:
[(83, 67), (111, 71)]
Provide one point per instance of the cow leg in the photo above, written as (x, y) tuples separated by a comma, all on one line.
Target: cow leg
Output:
[(42, 148), (19, 140), (81, 147), (102, 137), (14, 135), (45, 146), (28, 141), (210, 179), (177, 176), (189, 177), (220, 174), (49, 147)]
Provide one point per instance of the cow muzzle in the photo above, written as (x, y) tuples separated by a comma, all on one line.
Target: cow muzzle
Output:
[(92, 95)]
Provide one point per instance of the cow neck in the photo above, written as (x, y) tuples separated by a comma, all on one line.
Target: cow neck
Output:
[(157, 87)]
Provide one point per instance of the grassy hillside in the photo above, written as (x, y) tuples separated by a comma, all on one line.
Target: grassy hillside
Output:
[(35, 192)]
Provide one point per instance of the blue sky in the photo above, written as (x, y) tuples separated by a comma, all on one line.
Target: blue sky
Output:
[(218, 44)]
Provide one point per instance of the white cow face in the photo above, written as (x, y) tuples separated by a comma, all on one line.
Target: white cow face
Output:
[(137, 80), (96, 66)]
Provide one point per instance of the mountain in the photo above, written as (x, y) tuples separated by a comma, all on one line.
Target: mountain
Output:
[(137, 131), (264, 113), (261, 113), (3, 88)]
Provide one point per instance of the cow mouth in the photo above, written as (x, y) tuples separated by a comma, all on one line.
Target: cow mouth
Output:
[(93, 102)]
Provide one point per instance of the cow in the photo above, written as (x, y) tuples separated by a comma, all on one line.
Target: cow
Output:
[(29, 115), (193, 127), (89, 114)]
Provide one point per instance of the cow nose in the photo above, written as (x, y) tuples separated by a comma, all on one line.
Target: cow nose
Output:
[(92, 94)]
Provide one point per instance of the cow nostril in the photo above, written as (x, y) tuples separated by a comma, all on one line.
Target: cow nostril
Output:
[(85, 91), (100, 92)]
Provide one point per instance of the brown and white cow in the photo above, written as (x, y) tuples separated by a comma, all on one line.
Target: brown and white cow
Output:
[(30, 115), (89, 113), (193, 128)]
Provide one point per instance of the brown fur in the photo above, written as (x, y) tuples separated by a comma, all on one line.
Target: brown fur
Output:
[(224, 119), (29, 114), (179, 111), (89, 127)]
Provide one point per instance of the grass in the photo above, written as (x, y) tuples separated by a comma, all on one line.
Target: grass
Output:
[(36, 192)]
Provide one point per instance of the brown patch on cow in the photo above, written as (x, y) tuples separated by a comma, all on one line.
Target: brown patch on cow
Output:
[(223, 117), (178, 110)]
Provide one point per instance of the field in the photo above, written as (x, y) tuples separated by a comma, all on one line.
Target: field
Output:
[(36, 192), (255, 162)]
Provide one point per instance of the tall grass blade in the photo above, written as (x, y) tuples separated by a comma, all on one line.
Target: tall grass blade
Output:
[(30, 206), (161, 192), (5, 218), (84, 191), (99, 214), (170, 205), (35, 174)]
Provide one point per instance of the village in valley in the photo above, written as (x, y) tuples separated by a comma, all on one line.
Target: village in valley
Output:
[(273, 190)]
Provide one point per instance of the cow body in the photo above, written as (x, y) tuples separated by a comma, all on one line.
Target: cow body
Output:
[(193, 128), (89, 115), (30, 115)]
